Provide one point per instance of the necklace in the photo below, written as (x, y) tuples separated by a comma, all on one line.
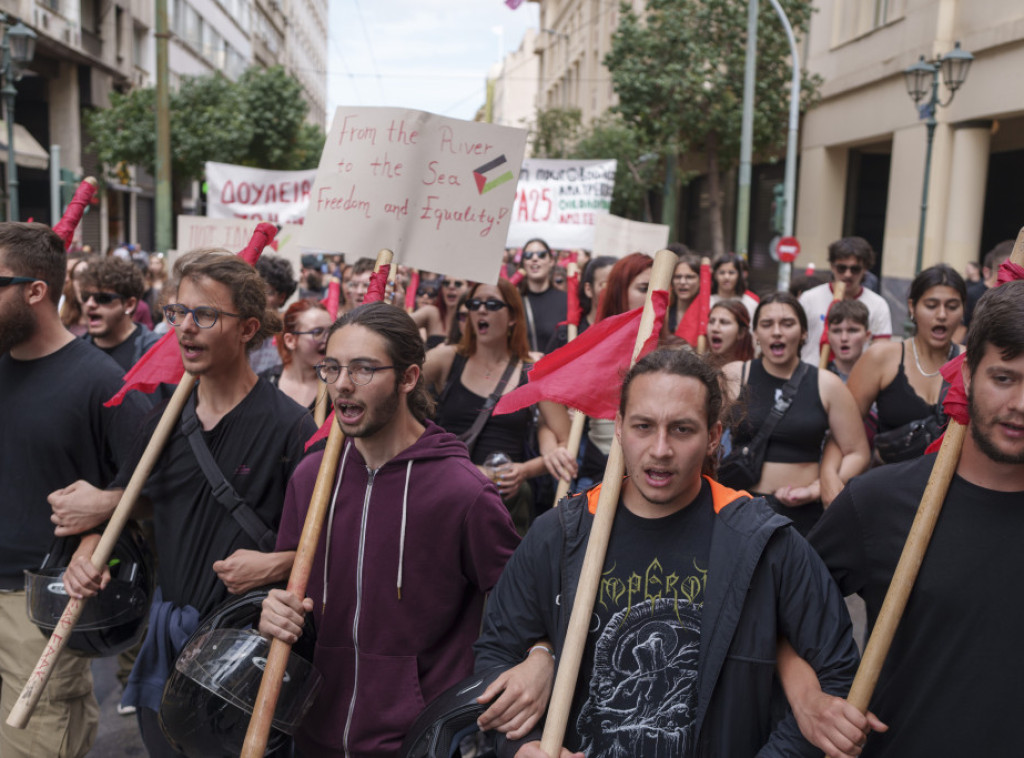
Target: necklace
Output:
[(917, 361)]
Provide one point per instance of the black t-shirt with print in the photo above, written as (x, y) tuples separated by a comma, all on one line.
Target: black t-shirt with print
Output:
[(638, 690)]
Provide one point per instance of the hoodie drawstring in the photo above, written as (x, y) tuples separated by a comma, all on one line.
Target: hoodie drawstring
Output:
[(401, 537)]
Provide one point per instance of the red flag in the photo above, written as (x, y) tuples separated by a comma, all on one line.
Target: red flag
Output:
[(321, 433), (1010, 272), (587, 373), (694, 322), (333, 296), (378, 285), (162, 363), (410, 294), (824, 333), (65, 228), (516, 277), (573, 310)]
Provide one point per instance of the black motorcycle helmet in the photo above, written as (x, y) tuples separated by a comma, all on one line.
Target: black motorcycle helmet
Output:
[(449, 718), (115, 619), (208, 698)]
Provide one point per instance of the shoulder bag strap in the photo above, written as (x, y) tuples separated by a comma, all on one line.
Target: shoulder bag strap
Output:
[(224, 493), (470, 435), (781, 406), (530, 323)]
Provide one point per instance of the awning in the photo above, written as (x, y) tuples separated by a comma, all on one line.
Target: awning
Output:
[(27, 152)]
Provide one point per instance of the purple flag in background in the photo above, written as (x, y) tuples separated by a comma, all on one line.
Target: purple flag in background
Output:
[(513, 4)]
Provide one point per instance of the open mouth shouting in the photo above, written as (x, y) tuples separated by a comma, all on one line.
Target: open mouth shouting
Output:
[(777, 349), (349, 412)]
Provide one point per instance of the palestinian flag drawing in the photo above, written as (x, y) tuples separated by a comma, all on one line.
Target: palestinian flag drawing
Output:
[(488, 177)]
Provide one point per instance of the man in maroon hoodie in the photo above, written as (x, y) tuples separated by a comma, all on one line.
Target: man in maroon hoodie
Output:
[(415, 537)]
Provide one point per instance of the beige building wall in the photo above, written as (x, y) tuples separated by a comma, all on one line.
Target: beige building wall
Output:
[(514, 82), (305, 53), (860, 48)]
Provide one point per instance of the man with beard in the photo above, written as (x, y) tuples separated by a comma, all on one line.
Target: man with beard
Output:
[(54, 431), (414, 538), (950, 670), (111, 291), (212, 542)]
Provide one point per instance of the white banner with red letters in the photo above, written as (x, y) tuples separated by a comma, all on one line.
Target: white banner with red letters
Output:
[(256, 194)]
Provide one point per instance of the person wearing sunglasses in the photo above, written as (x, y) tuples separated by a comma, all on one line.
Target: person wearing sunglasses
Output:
[(850, 259), (546, 305), (493, 350), (111, 290), (435, 318), (301, 346), (55, 431), (250, 437)]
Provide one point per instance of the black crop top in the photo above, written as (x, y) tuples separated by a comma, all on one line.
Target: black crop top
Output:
[(899, 404), (458, 408), (798, 436)]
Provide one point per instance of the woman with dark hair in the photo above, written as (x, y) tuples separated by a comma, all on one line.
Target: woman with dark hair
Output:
[(791, 477), (301, 346), (685, 288), (436, 318), (729, 333), (545, 305), (493, 349), (729, 280), (903, 379)]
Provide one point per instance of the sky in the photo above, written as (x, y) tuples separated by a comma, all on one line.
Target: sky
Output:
[(430, 55)]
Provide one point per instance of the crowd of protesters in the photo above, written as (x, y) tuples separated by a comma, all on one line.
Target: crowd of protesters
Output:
[(433, 487)]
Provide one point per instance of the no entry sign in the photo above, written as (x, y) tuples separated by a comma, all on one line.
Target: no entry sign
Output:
[(788, 249)]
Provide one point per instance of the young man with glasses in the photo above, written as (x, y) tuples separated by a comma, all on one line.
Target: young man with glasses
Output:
[(850, 259), (415, 537), (251, 437), (55, 431), (111, 290), (546, 306)]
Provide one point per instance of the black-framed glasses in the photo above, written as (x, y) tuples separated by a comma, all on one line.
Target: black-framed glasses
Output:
[(685, 278), (6, 281), (101, 298), (492, 304), (842, 268), (316, 333), (361, 374), (456, 283), (541, 254), (204, 316)]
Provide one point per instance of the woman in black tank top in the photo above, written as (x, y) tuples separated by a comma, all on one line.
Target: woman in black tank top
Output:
[(791, 477), (903, 378)]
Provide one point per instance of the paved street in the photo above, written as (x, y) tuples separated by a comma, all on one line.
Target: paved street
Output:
[(118, 735)]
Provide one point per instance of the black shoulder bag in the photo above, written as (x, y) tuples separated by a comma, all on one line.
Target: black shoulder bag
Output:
[(742, 467), (225, 494)]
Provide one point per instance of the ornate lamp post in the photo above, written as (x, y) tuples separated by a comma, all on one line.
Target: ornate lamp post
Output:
[(17, 49), (922, 80)]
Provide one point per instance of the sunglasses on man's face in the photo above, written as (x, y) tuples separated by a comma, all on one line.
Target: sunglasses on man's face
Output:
[(492, 304), (101, 298), (7, 281), (842, 268), (541, 254)]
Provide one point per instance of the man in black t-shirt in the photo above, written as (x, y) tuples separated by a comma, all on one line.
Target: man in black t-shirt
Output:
[(255, 436), (954, 665), (698, 584), (111, 290), (54, 431)]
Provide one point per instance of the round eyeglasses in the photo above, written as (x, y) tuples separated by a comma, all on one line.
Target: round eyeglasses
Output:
[(204, 316), (360, 374)]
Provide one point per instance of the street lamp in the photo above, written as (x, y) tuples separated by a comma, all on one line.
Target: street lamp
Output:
[(922, 80), (17, 49)]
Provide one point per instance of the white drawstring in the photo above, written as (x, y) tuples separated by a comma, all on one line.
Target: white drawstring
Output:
[(401, 538)]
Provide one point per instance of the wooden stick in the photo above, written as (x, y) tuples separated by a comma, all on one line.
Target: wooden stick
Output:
[(838, 292), (597, 547), (913, 552), (26, 702), (258, 733), (579, 420), (320, 409)]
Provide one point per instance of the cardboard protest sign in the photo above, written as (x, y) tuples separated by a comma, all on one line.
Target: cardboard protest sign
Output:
[(280, 197), (196, 232), (437, 191), (560, 202), (617, 236)]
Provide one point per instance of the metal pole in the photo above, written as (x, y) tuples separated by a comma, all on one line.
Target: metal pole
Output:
[(747, 133), (931, 123), (164, 209), (9, 93), (55, 209), (786, 269)]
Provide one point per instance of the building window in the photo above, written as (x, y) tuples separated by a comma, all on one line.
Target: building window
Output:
[(855, 18)]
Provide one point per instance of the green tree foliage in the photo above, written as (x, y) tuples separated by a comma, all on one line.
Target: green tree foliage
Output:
[(555, 132), (636, 171), (257, 121), (678, 74)]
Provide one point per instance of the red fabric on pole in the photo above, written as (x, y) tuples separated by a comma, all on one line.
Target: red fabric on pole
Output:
[(410, 294), (162, 363), (824, 332), (694, 322), (516, 277), (1010, 272), (321, 433), (333, 297), (587, 373), (573, 310), (378, 285), (65, 228)]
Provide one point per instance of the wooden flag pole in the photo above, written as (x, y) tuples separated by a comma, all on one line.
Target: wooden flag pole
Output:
[(258, 733), (597, 546), (26, 702), (913, 552), (838, 292), (579, 419)]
